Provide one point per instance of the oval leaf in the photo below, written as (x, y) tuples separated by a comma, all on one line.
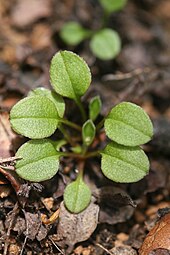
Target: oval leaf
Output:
[(55, 98), (70, 76), (106, 44), (94, 107), (124, 164), (128, 124), (73, 33), (88, 132), (39, 162), (113, 5), (77, 196), (34, 117)]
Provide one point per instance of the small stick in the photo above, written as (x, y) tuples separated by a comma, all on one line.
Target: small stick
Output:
[(8, 160), (103, 248), (56, 246)]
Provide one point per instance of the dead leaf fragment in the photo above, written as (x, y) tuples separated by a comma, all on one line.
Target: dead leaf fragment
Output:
[(26, 12), (123, 250), (6, 135), (158, 237), (74, 228)]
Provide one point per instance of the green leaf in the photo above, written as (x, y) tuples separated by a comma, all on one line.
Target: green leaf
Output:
[(95, 107), (55, 98), (77, 196), (70, 76), (106, 44), (34, 117), (39, 162), (124, 164), (113, 5), (88, 132), (128, 124), (73, 33)]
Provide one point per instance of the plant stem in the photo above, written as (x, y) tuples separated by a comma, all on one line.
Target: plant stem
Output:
[(100, 124), (80, 105), (71, 124), (66, 135), (80, 156)]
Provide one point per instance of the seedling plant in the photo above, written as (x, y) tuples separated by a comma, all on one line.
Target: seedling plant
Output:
[(105, 43), (42, 113)]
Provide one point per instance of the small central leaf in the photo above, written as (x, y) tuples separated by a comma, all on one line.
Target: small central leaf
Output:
[(88, 132), (124, 164), (40, 160), (34, 117), (70, 75), (77, 196)]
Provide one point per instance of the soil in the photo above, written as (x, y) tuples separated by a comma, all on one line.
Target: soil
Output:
[(29, 212)]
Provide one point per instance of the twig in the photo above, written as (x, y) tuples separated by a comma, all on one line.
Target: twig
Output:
[(124, 76), (50, 238), (23, 246), (103, 248)]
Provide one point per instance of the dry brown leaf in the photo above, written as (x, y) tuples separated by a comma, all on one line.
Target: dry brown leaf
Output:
[(6, 135), (123, 250), (158, 237), (26, 12), (74, 228)]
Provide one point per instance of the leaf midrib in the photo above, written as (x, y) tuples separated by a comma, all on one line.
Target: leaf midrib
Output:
[(35, 161), (126, 124), (123, 160), (68, 76)]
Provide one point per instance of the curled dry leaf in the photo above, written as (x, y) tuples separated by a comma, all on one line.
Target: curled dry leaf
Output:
[(74, 228), (158, 237)]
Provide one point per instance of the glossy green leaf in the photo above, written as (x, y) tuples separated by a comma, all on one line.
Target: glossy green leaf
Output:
[(73, 33), (55, 98), (34, 117), (124, 164), (95, 107), (113, 5), (106, 44), (39, 162), (70, 76), (128, 124), (77, 196), (88, 132)]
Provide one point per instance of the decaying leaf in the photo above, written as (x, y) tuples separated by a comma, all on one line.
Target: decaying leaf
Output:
[(123, 250), (158, 237), (6, 135), (34, 228), (115, 205), (74, 228)]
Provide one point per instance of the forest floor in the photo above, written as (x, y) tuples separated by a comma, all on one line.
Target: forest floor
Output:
[(141, 74)]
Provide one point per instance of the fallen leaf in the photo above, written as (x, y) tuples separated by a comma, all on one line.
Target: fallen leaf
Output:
[(26, 12), (33, 224), (158, 237), (74, 228), (115, 205), (6, 135), (160, 252), (123, 250)]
